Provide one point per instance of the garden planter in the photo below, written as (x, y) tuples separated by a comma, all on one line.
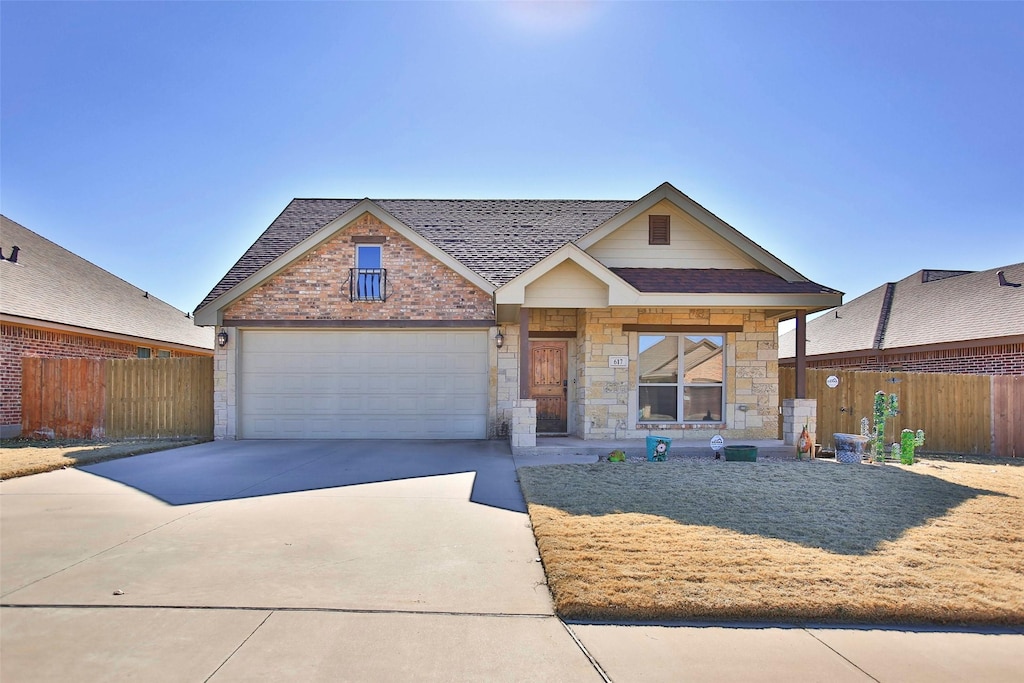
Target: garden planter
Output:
[(849, 447), (741, 453)]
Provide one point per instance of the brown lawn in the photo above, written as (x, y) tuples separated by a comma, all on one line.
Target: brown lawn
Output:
[(21, 457), (938, 542)]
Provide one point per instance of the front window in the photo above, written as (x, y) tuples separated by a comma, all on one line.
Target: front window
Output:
[(696, 396)]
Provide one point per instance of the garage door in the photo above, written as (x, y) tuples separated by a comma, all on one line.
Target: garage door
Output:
[(362, 385)]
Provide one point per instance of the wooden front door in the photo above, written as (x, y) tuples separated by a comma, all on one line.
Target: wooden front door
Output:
[(549, 384)]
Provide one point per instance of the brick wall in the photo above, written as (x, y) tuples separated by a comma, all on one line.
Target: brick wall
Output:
[(998, 359), (316, 287)]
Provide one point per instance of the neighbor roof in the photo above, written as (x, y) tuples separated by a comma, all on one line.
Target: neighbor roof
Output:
[(928, 307), (496, 238), (50, 284)]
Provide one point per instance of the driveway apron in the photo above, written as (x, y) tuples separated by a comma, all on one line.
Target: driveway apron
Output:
[(197, 562)]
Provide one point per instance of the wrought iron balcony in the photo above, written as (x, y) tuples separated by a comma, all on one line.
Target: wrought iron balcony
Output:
[(367, 284)]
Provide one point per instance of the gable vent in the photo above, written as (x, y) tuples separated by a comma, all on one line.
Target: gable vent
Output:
[(658, 231)]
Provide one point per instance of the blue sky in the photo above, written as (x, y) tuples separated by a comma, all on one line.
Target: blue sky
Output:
[(858, 142)]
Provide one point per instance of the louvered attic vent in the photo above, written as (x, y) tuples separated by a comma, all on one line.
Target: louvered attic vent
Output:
[(658, 230)]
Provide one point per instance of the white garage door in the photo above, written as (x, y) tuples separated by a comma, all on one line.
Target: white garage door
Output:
[(362, 385)]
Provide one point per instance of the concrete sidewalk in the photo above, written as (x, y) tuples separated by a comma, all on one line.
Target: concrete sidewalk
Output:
[(266, 575)]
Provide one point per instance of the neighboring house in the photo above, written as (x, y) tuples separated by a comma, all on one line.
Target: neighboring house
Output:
[(432, 319), (951, 321), (55, 304)]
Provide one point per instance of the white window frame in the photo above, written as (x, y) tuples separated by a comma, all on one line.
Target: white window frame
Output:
[(680, 384)]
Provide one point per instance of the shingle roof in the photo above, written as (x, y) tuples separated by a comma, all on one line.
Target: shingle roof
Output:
[(498, 239), (715, 280), (928, 307), (51, 284)]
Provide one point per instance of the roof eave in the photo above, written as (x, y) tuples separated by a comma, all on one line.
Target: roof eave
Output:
[(104, 334)]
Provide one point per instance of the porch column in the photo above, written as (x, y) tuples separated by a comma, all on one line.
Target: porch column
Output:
[(524, 352), (801, 354)]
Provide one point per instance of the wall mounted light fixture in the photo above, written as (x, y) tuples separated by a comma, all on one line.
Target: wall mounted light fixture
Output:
[(222, 338), (499, 339)]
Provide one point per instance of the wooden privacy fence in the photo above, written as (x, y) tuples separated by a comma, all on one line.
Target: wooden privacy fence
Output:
[(90, 398), (970, 414)]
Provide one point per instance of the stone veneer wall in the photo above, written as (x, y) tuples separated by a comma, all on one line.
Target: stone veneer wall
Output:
[(605, 398)]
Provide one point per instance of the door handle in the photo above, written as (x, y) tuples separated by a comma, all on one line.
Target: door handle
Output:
[(565, 387)]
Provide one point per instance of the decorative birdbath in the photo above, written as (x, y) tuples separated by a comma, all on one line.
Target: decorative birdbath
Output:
[(849, 447)]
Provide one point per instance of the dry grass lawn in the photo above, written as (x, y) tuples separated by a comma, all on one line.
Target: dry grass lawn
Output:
[(938, 542), (21, 457)]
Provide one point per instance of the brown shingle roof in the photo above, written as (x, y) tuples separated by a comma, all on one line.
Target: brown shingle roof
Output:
[(715, 281), (51, 284), (924, 309), (497, 239)]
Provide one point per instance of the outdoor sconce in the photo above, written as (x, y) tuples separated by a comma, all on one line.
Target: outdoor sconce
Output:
[(222, 338), (499, 339)]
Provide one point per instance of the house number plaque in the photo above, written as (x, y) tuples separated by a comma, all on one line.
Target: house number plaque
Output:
[(618, 361)]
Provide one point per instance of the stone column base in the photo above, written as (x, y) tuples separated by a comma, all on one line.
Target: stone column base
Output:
[(524, 424), (798, 413)]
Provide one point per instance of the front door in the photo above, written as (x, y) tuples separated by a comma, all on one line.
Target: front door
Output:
[(549, 384)]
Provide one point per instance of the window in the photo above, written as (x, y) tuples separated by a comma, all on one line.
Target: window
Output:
[(697, 396), (368, 279), (163, 354), (658, 230), (143, 352)]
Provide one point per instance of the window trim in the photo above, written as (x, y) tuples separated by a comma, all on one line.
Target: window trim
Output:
[(375, 247), (680, 384)]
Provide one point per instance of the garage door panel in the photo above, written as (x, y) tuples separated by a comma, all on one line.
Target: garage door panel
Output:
[(335, 384)]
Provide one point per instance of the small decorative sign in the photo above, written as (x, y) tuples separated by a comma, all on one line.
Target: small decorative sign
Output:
[(618, 361), (832, 382), (717, 442)]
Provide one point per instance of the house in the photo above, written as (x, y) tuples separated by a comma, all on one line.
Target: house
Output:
[(468, 319), (55, 304), (951, 321)]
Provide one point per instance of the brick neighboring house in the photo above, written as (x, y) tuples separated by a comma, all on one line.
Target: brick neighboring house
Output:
[(55, 304), (949, 321), (468, 319)]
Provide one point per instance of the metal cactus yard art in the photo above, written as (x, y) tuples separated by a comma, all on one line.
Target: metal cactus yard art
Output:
[(908, 442), (886, 407)]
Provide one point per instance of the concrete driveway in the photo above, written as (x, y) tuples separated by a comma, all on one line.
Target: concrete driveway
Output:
[(358, 561)]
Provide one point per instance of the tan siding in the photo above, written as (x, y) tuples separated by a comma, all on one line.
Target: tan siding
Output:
[(693, 245), (567, 285)]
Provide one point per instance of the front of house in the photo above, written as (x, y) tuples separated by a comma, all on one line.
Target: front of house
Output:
[(444, 319)]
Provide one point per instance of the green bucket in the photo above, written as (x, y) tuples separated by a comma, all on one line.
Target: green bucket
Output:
[(741, 453)]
